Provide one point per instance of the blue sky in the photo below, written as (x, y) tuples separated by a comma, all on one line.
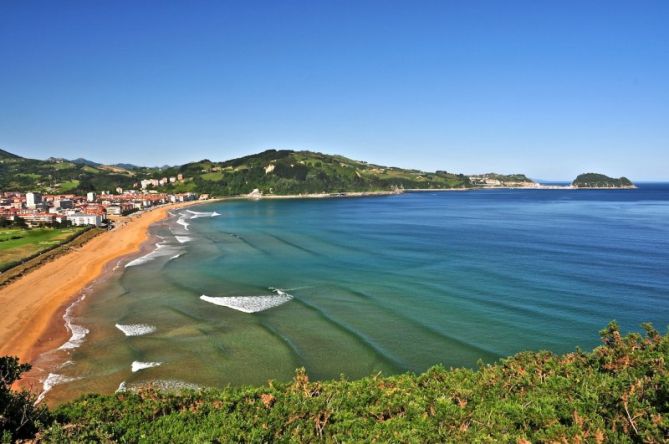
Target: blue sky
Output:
[(548, 88)]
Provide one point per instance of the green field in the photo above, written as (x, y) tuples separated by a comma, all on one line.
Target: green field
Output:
[(19, 243), (68, 185), (215, 176)]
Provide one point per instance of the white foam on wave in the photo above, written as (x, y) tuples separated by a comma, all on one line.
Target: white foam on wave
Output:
[(183, 239), (250, 304), (139, 365), (146, 258), (52, 380), (136, 329), (196, 214), (182, 221), (77, 332), (160, 250)]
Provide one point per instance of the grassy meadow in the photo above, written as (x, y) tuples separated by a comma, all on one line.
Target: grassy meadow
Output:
[(19, 243)]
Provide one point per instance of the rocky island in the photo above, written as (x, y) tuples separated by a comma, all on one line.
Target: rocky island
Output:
[(594, 180)]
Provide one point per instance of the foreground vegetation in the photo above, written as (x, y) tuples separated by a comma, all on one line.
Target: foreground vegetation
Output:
[(617, 393)]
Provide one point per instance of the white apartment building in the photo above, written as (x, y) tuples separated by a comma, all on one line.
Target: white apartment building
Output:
[(114, 210), (80, 219), (33, 199)]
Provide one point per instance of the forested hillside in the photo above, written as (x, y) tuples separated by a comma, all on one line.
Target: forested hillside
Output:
[(293, 172), (272, 172), (59, 175), (594, 180)]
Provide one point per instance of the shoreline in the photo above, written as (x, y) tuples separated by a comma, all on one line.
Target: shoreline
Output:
[(34, 305), (538, 187)]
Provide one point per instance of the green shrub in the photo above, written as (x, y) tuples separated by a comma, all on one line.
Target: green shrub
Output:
[(19, 417), (617, 393)]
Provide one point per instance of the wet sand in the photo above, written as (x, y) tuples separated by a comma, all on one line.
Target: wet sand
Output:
[(32, 307)]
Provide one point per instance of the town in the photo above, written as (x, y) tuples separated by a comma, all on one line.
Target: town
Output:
[(34, 209)]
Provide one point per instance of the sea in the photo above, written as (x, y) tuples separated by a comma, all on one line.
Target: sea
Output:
[(242, 292)]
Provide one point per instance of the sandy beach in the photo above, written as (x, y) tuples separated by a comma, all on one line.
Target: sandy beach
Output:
[(33, 305)]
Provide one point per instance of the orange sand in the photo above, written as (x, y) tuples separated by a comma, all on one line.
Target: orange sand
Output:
[(31, 304)]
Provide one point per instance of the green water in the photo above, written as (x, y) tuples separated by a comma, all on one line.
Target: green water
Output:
[(383, 284)]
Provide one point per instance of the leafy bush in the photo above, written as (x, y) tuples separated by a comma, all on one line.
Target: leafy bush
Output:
[(617, 393), (19, 417)]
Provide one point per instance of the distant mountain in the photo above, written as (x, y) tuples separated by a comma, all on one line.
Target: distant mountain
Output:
[(595, 180), (127, 166), (7, 155), (57, 175), (82, 161)]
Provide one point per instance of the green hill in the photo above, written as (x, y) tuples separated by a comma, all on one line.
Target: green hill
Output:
[(617, 393), (295, 172), (7, 155), (594, 180), (272, 172), (59, 175)]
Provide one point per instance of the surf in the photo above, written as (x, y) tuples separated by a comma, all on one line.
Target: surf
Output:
[(77, 332), (250, 304), (136, 329), (161, 249), (139, 365)]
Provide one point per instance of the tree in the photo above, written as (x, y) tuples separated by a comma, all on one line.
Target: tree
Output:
[(20, 222), (20, 418)]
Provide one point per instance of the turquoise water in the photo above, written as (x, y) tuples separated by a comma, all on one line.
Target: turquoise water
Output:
[(374, 284)]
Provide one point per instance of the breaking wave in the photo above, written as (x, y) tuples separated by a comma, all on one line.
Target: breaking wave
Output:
[(139, 365), (52, 380), (183, 239), (182, 221), (250, 304), (77, 332), (196, 214), (161, 250), (136, 329)]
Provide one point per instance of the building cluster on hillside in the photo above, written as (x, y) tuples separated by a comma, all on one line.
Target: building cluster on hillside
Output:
[(155, 183), (70, 209), (497, 181)]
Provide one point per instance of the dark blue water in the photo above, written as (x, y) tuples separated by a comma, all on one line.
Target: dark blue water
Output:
[(382, 284)]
